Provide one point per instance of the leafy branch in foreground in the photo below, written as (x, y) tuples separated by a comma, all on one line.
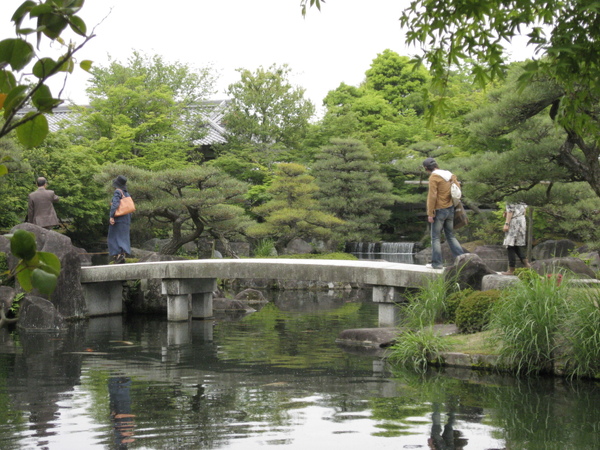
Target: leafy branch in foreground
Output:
[(52, 18), (39, 270)]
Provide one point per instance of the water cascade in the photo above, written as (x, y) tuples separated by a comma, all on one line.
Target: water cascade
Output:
[(400, 252)]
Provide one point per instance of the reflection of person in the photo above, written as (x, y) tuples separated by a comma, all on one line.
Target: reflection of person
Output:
[(120, 410), (40, 208), (118, 230), (447, 438), (515, 227), (440, 212)]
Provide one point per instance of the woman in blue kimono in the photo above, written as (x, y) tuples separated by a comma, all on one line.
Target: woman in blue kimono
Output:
[(118, 231)]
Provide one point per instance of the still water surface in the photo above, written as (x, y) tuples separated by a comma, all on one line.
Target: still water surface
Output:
[(274, 378)]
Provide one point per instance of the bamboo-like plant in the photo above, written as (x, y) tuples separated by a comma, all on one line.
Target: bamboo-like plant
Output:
[(417, 349), (582, 332), (527, 324), (427, 306)]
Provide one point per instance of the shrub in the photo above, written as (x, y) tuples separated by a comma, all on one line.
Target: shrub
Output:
[(452, 302), (473, 312)]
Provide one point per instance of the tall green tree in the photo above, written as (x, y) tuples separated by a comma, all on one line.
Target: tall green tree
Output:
[(352, 188), (146, 112), (397, 79), (192, 202), (293, 212), (268, 116)]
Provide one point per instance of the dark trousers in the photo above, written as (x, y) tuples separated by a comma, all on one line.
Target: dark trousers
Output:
[(513, 252)]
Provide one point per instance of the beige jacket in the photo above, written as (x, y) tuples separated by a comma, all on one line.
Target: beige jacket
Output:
[(439, 196)]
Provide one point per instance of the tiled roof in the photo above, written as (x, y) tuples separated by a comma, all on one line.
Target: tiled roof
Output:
[(214, 116), (213, 112)]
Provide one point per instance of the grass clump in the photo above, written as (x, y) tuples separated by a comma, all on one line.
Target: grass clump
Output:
[(582, 332), (527, 323), (416, 349), (264, 248), (427, 306)]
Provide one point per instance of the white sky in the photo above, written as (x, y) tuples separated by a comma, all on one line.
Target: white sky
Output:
[(324, 49)]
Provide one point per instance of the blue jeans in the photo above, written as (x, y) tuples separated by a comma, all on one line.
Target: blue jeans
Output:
[(444, 219)]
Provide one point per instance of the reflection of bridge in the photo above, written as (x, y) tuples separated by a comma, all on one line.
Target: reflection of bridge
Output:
[(188, 285)]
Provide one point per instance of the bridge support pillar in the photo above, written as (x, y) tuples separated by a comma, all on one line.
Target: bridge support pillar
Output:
[(189, 298), (387, 297), (103, 299)]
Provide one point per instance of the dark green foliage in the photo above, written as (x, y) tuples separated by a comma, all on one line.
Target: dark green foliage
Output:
[(473, 312), (353, 188), (4, 275), (453, 300)]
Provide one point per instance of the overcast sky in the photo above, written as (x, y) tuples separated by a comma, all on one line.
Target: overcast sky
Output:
[(324, 49)]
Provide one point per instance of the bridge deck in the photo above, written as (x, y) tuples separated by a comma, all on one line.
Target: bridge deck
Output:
[(377, 273)]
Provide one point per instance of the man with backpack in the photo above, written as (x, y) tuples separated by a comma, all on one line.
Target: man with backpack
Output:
[(440, 212)]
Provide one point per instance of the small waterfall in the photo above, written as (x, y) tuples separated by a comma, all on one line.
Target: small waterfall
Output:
[(400, 252)]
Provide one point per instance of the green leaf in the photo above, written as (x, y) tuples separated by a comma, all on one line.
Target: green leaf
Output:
[(23, 245), (44, 67), (13, 99), (68, 66), (15, 52), (49, 262), (22, 11), (78, 25), (3, 170), (42, 99), (86, 65), (44, 8), (23, 274), (7, 81), (43, 281), (52, 25), (72, 6), (32, 133)]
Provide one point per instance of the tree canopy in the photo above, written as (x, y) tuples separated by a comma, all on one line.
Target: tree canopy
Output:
[(267, 114), (146, 112)]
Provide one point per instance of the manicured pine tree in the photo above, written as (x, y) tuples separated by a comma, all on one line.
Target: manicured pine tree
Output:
[(353, 189)]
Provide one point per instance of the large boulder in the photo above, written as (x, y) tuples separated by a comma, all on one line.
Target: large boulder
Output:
[(575, 266), (553, 249), (494, 256), (38, 314), (468, 270), (68, 295), (297, 247)]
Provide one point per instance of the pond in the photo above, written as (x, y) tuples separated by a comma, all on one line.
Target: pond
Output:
[(274, 378)]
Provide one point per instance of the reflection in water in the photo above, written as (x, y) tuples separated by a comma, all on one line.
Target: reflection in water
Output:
[(272, 378), (120, 410)]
